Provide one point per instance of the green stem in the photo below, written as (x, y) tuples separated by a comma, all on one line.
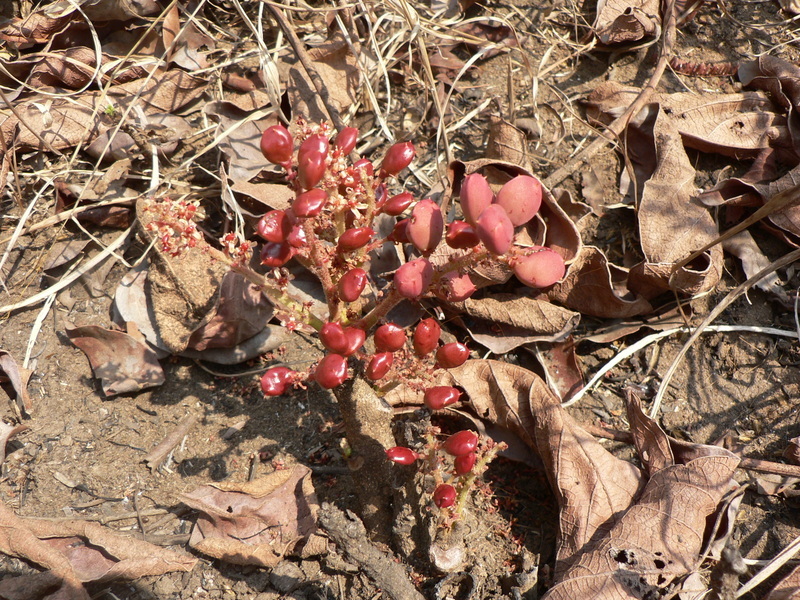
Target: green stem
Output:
[(468, 480), (380, 310)]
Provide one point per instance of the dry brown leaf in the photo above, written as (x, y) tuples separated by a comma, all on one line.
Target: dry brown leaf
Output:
[(787, 588), (561, 366), (14, 380), (627, 21), (8, 431), (792, 451), (158, 455), (121, 362), (595, 287), (254, 523), (744, 247)]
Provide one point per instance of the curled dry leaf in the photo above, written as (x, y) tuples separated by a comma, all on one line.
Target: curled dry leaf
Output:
[(121, 362), (17, 379), (626, 22), (8, 431), (155, 459), (257, 522), (792, 451), (787, 588)]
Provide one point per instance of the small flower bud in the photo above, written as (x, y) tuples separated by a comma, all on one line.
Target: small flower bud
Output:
[(475, 196), (426, 225), (462, 442), (311, 161), (310, 203), (495, 229), (346, 140), (444, 496), (277, 145), (331, 371), (521, 198), (436, 398), (274, 226), (401, 455), (396, 205), (276, 254), (542, 267), (352, 284), (426, 336), (379, 365), (389, 337), (452, 355), (398, 158), (275, 381), (460, 235), (413, 278), (353, 239)]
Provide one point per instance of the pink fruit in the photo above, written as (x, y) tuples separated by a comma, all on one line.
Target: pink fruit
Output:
[(460, 235), (379, 365), (333, 337), (436, 398), (396, 205), (389, 338), (413, 278), (456, 288), (464, 463), (452, 355), (331, 371), (426, 336), (444, 496), (426, 225), (310, 203), (353, 239), (276, 254), (400, 232), (346, 140), (352, 284), (401, 455), (521, 198), (355, 339), (277, 145), (495, 229), (541, 268), (275, 381), (475, 195), (274, 226), (311, 161), (398, 158), (462, 442)]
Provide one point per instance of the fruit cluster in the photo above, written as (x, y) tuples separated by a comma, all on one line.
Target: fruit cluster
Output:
[(330, 228), (453, 465)]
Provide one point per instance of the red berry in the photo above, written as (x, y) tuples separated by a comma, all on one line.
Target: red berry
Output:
[(521, 197), (413, 278), (426, 336), (460, 235), (436, 398), (389, 338), (352, 284), (333, 337), (310, 203), (355, 339), (462, 442), (275, 381), (444, 495), (475, 195), (452, 355), (363, 164), (346, 140), (353, 239), (311, 161), (398, 158), (400, 232), (297, 237), (277, 145), (401, 455), (379, 365), (455, 287), (541, 268), (331, 371), (426, 225), (396, 205), (274, 226), (276, 254), (464, 463), (495, 229)]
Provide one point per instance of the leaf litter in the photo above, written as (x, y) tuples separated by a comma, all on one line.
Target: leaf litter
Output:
[(606, 546)]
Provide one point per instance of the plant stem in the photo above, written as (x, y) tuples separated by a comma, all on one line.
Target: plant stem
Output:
[(389, 301)]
